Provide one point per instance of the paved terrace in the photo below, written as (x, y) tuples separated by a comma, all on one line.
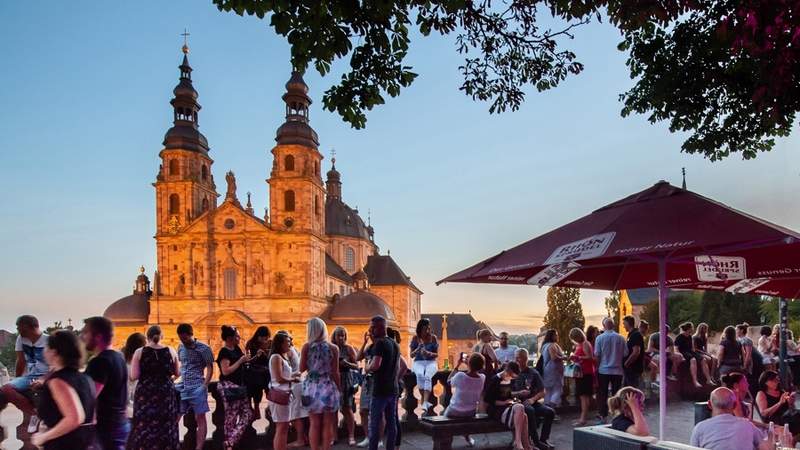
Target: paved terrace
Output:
[(678, 428)]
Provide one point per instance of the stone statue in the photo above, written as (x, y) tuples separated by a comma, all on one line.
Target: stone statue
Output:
[(230, 178), (180, 289)]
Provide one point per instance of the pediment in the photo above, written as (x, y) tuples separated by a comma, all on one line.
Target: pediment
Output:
[(227, 218)]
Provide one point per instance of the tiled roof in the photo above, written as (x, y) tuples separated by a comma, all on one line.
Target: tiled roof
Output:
[(335, 270), (382, 270), (459, 326)]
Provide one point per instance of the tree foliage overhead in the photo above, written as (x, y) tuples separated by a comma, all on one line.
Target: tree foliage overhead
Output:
[(564, 312), (723, 71), (612, 307)]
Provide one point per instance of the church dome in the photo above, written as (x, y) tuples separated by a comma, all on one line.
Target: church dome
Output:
[(342, 220), (133, 308), (360, 306), (186, 138), (297, 132)]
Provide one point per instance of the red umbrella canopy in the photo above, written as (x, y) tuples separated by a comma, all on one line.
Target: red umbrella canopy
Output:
[(704, 244)]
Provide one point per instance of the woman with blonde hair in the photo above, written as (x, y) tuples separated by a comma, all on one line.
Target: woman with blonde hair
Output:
[(627, 408), (584, 386), (700, 341), (484, 347), (320, 359)]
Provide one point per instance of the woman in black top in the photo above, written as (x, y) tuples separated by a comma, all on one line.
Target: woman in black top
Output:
[(700, 341), (627, 408), (731, 355), (256, 374), (685, 346), (67, 402), (504, 407), (238, 413), (772, 402)]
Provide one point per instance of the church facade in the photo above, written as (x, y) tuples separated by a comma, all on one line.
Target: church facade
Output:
[(218, 263)]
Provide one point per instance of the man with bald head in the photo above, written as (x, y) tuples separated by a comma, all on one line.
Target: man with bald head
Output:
[(609, 351), (724, 431)]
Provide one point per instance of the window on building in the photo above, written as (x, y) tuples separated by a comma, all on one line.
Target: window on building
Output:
[(173, 167), (288, 200), (288, 162), (229, 282), (205, 204), (316, 205), (174, 204), (349, 259), (204, 172)]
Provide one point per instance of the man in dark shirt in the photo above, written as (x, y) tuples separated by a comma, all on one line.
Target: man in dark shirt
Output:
[(634, 363), (383, 367), (110, 374), (529, 387)]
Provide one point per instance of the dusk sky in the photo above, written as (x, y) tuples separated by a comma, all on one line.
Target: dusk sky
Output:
[(84, 105)]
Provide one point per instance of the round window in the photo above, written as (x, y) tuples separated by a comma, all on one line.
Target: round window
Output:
[(229, 224)]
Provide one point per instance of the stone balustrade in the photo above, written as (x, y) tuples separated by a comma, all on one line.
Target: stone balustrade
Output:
[(14, 436)]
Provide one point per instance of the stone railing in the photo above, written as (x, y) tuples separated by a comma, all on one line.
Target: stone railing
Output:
[(14, 435)]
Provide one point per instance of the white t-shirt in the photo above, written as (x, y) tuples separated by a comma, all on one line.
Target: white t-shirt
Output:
[(505, 355), (467, 392), (726, 432), (34, 355)]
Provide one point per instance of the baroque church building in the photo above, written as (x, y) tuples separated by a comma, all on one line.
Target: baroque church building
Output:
[(220, 264)]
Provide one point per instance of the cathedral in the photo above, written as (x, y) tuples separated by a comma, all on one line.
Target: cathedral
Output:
[(218, 263)]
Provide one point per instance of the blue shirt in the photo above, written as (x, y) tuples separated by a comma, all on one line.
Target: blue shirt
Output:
[(432, 347), (609, 349), (194, 360)]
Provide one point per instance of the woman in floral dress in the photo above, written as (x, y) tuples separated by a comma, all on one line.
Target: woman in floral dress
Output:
[(321, 395), (155, 405)]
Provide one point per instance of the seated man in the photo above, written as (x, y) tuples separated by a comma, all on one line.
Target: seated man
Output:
[(30, 367), (724, 431), (529, 388), (672, 358)]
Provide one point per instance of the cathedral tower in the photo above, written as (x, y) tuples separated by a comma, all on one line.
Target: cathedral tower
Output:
[(296, 192), (184, 186)]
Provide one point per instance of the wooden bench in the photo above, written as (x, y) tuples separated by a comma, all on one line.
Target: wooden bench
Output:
[(442, 429)]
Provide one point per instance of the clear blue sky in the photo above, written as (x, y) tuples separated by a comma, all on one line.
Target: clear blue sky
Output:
[(84, 104)]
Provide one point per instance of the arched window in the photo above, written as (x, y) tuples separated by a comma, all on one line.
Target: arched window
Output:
[(288, 200), (349, 259), (174, 204), (229, 282), (204, 172), (173, 167), (205, 204), (288, 162)]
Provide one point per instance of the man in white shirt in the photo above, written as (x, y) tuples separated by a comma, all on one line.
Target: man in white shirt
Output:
[(505, 352), (724, 431), (31, 366)]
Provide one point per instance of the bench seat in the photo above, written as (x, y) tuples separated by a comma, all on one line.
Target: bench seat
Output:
[(442, 429)]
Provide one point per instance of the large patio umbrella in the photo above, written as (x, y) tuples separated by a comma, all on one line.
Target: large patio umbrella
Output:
[(664, 237)]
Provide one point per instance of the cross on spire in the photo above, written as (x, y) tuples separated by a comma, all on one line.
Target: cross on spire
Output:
[(185, 35), (333, 155)]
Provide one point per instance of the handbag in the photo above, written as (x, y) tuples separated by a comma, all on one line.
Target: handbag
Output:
[(279, 396), (573, 370)]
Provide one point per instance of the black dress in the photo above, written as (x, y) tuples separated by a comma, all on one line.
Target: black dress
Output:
[(81, 437), (155, 406)]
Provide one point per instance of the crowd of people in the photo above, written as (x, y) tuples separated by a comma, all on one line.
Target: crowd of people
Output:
[(133, 398)]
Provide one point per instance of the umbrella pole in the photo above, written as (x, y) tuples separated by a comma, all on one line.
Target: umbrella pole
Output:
[(782, 320), (662, 346)]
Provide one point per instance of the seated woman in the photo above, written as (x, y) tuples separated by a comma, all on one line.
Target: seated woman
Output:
[(765, 347), (772, 402), (627, 409), (503, 407), (685, 346), (737, 382), (467, 387), (700, 341)]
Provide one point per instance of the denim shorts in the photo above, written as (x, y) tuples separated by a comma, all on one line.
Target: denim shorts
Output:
[(195, 399), (23, 383)]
